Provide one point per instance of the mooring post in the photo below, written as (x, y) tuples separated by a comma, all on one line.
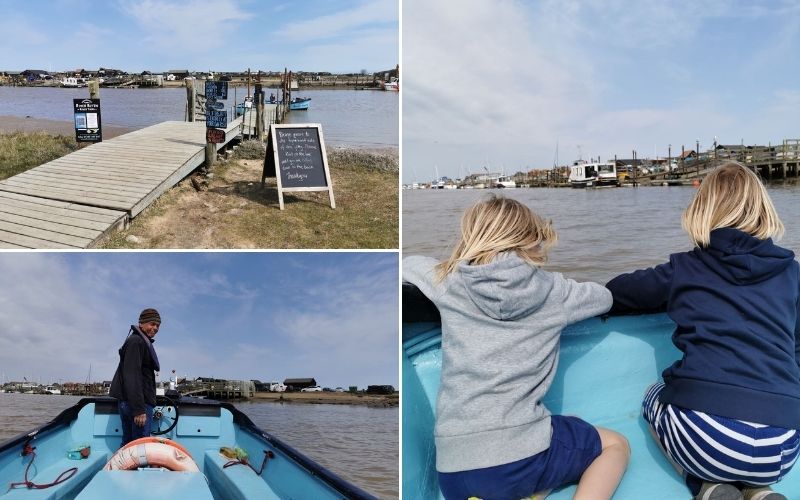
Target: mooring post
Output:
[(190, 99), (259, 95), (94, 89)]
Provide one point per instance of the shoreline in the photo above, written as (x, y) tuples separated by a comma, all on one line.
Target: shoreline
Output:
[(56, 127), (9, 124), (335, 398)]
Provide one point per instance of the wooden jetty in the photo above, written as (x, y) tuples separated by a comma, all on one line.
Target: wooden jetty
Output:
[(220, 389), (78, 199)]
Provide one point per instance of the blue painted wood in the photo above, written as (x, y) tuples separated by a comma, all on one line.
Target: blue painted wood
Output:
[(603, 371)]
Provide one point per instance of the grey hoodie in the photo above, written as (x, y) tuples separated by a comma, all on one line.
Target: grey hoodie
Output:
[(501, 324)]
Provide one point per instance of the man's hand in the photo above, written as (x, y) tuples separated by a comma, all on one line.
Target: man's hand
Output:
[(140, 420)]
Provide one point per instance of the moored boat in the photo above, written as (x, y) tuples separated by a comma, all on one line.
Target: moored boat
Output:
[(300, 103), (393, 84), (69, 457), (605, 366)]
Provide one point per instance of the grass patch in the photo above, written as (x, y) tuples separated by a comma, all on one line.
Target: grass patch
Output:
[(20, 151), (238, 212)]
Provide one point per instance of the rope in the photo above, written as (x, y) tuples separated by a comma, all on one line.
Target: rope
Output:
[(29, 450), (245, 461)]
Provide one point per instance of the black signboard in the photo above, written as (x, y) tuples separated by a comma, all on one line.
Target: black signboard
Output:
[(296, 158), (216, 118), (87, 120), (217, 91)]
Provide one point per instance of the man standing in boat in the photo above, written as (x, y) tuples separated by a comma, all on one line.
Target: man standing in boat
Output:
[(134, 383)]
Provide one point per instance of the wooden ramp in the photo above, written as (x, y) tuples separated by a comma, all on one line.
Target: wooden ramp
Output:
[(75, 200)]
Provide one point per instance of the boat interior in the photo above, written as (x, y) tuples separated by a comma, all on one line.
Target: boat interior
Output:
[(605, 366), (202, 427)]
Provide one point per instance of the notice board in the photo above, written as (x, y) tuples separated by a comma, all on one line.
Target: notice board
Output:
[(87, 120), (296, 157)]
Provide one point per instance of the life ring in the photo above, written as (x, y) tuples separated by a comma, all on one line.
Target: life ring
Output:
[(153, 439), (152, 452)]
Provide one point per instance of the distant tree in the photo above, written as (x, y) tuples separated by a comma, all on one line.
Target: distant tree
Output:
[(363, 72)]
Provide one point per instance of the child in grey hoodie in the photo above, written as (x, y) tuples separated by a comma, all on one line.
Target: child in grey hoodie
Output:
[(502, 317)]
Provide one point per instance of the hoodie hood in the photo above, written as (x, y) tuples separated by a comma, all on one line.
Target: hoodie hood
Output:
[(507, 288), (743, 259)]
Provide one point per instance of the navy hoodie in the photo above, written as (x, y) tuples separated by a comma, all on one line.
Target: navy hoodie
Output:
[(735, 305)]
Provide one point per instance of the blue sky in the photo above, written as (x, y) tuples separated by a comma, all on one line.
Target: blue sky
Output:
[(267, 316), (220, 35), (597, 77)]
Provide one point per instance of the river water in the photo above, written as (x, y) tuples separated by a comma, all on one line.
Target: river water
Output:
[(601, 232), (356, 442), (353, 118)]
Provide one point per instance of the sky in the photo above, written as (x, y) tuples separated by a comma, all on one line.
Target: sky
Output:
[(199, 35), (517, 85), (266, 316)]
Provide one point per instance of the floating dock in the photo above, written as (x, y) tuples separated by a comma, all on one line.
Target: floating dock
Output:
[(78, 199)]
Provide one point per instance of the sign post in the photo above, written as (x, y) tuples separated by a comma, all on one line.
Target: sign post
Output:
[(297, 159), (216, 118), (87, 120)]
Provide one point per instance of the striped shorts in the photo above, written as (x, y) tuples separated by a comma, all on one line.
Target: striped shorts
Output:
[(719, 449)]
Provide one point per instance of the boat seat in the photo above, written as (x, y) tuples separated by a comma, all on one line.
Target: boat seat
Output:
[(146, 483), (87, 468), (237, 482)]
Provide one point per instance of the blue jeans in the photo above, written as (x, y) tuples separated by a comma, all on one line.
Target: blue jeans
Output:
[(131, 431)]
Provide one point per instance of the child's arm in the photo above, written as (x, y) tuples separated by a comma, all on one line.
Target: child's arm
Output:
[(642, 291), (584, 300)]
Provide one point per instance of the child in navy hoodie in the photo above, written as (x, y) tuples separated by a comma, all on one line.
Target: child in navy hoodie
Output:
[(728, 411)]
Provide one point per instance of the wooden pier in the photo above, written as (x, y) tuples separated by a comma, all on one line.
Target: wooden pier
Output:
[(78, 199)]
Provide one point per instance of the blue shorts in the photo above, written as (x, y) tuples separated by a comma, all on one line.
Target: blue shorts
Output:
[(573, 447)]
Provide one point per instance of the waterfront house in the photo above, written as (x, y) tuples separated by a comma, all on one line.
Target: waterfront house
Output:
[(295, 384)]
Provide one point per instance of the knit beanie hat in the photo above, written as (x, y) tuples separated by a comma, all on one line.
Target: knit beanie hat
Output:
[(149, 315)]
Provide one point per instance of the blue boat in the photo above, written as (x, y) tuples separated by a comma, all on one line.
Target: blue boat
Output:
[(300, 103), (603, 371), (32, 461)]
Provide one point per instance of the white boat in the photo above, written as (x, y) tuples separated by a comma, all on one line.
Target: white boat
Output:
[(52, 390), (607, 174), (73, 82), (582, 174), (392, 84), (504, 182)]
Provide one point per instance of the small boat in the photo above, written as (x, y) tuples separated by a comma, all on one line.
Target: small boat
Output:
[(73, 82), (504, 181), (300, 103), (603, 371), (243, 106), (70, 457), (393, 84)]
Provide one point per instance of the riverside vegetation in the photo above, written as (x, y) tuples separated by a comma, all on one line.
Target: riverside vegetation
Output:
[(230, 208)]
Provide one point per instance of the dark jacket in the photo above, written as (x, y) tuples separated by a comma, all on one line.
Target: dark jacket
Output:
[(735, 305), (135, 379)]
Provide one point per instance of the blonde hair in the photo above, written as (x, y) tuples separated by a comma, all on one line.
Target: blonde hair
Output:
[(731, 196), (496, 225)]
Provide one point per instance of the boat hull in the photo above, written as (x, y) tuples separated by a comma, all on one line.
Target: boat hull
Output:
[(300, 105), (203, 427), (603, 371)]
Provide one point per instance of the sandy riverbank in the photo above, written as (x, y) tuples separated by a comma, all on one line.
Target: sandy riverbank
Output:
[(57, 127), (334, 398)]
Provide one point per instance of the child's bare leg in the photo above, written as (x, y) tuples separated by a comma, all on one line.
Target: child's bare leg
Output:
[(602, 477)]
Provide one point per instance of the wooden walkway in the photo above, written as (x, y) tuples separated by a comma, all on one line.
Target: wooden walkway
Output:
[(78, 199)]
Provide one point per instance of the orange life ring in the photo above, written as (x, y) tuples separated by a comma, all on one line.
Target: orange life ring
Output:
[(157, 452), (154, 439)]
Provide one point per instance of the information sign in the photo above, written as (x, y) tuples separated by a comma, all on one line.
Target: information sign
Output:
[(87, 120)]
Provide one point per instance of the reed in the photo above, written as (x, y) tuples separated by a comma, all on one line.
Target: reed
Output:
[(20, 151)]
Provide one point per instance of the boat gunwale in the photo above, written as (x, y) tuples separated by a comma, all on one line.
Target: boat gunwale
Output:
[(244, 422)]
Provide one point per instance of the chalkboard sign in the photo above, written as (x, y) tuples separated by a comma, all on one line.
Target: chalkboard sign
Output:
[(296, 158), (216, 119)]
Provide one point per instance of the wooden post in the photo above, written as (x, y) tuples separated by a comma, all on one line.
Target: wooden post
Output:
[(260, 115), (190, 99), (94, 89), (211, 154)]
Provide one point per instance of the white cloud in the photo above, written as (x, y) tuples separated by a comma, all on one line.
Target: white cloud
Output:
[(184, 25), (341, 23)]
